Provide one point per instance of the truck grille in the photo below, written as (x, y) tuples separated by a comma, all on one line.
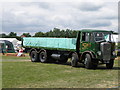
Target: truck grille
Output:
[(106, 50)]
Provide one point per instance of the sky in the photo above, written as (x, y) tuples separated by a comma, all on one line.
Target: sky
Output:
[(23, 16)]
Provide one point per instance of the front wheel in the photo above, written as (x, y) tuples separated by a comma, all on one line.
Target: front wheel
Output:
[(89, 63), (110, 64)]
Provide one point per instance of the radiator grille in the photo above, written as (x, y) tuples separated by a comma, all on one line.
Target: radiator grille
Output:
[(106, 50)]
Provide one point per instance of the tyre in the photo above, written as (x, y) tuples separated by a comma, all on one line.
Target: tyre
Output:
[(43, 56), (110, 64), (34, 56), (89, 64), (74, 60)]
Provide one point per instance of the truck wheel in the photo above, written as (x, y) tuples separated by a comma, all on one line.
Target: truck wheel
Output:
[(74, 60), (43, 56), (34, 56), (110, 64), (88, 61)]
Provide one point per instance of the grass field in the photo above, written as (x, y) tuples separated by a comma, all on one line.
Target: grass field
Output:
[(20, 72)]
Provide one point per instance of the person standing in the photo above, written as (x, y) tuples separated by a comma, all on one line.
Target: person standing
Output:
[(2, 50), (20, 53)]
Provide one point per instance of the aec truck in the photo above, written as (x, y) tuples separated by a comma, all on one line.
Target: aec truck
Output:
[(90, 47)]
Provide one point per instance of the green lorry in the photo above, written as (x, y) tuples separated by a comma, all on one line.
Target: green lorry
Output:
[(90, 47)]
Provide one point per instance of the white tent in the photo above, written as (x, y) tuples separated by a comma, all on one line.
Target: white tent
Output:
[(16, 43), (19, 42), (13, 40)]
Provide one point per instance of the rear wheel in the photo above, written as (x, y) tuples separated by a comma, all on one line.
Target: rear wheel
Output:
[(43, 56), (110, 64), (74, 60), (34, 56)]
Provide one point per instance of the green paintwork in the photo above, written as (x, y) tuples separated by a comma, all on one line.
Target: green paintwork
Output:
[(51, 43), (92, 46)]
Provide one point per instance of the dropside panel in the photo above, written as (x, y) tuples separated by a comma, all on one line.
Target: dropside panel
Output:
[(58, 43)]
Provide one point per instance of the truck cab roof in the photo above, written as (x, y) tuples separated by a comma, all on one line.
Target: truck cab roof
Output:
[(93, 30)]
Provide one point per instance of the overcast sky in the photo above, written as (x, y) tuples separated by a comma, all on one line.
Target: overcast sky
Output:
[(31, 17)]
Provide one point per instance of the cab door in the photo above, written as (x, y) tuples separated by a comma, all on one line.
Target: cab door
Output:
[(85, 44)]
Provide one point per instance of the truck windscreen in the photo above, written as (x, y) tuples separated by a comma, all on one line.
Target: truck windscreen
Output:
[(102, 36)]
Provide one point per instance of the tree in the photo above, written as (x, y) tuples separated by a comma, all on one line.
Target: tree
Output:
[(74, 34), (3, 35), (63, 32), (39, 34), (26, 34), (19, 38), (67, 34), (56, 32), (12, 35), (49, 34)]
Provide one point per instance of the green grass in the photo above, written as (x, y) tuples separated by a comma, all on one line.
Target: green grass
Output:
[(20, 72), (13, 58)]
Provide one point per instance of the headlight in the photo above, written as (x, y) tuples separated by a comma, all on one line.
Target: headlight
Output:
[(99, 53), (114, 53)]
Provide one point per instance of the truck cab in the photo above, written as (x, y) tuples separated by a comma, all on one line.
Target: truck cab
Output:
[(95, 46)]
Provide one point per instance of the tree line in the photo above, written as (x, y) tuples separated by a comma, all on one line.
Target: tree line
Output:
[(56, 32)]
